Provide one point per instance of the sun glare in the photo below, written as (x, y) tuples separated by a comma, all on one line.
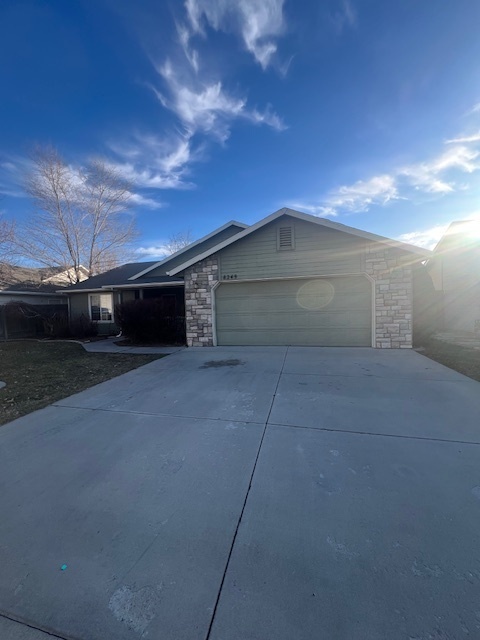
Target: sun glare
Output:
[(473, 229)]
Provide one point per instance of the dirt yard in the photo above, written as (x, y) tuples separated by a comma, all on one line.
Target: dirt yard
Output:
[(462, 359), (39, 373)]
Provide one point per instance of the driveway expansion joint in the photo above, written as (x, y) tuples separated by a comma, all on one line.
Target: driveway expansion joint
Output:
[(155, 415), (52, 634), (222, 582), (371, 433), (374, 375)]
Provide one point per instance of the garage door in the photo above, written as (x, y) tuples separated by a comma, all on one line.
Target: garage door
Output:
[(319, 311)]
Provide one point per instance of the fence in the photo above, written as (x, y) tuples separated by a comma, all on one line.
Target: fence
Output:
[(21, 320)]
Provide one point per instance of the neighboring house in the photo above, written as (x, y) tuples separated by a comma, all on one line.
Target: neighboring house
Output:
[(290, 279), (35, 286), (38, 287), (455, 271)]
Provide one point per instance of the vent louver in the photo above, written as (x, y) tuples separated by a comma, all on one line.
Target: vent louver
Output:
[(285, 238)]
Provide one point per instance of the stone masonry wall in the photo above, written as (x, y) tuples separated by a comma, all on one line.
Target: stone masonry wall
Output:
[(199, 280), (393, 275)]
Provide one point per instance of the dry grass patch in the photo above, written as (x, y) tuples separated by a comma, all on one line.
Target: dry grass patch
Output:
[(39, 373), (461, 359)]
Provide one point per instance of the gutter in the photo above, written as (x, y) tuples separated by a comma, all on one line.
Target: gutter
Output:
[(119, 287), (57, 294)]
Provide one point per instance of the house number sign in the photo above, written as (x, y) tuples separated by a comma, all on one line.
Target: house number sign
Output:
[(232, 276)]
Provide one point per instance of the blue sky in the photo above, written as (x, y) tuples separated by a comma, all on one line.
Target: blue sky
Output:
[(364, 111)]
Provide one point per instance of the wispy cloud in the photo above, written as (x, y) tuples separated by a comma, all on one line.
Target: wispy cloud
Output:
[(207, 108), (184, 40), (136, 199), (474, 137), (361, 195), (345, 18), (259, 22), (425, 238), (429, 238), (474, 109), (151, 162), (153, 252), (268, 117), (433, 176), (357, 197), (12, 170), (437, 176)]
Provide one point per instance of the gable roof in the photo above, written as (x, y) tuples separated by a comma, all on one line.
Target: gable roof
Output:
[(29, 287), (113, 276), (307, 218), (232, 223), (16, 278), (120, 277), (136, 274)]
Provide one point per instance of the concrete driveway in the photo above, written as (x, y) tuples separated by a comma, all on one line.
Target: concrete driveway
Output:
[(247, 494)]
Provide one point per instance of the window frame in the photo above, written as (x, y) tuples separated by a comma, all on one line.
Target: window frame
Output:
[(112, 307)]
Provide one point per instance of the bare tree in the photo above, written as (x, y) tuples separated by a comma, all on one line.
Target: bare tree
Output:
[(81, 215), (178, 241), (7, 236)]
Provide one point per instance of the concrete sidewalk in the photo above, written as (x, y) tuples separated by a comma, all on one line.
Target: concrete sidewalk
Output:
[(109, 346)]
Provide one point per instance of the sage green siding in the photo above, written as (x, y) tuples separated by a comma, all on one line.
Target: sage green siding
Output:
[(317, 251), (79, 307), (322, 312)]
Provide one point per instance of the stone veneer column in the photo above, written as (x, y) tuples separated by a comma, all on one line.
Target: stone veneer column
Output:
[(199, 280), (393, 276)]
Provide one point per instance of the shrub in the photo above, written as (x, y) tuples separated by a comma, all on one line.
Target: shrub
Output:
[(31, 320), (82, 327), (144, 321)]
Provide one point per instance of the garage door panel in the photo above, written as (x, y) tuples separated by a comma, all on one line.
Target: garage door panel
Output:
[(283, 304), (317, 311), (356, 338), (288, 321)]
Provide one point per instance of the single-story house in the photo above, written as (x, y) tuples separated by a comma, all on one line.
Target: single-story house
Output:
[(455, 271), (290, 279), (34, 286)]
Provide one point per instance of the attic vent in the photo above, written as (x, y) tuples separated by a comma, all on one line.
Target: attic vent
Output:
[(285, 239)]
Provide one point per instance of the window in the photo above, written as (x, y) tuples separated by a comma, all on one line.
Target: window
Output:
[(101, 307), (285, 238)]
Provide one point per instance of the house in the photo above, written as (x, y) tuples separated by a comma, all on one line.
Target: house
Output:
[(37, 287), (455, 271), (290, 279)]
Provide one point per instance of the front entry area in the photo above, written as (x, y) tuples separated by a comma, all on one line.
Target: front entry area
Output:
[(333, 311)]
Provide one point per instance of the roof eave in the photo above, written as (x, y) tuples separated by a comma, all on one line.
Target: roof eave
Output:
[(139, 285), (146, 285), (32, 293), (190, 246)]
